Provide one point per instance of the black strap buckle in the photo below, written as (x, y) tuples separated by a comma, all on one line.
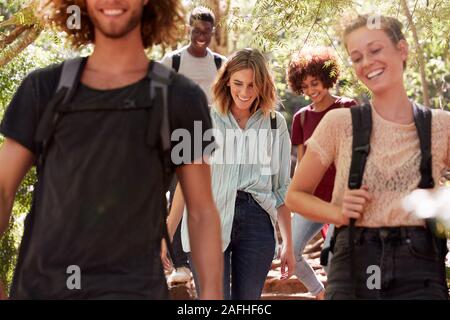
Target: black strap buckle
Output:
[(365, 149)]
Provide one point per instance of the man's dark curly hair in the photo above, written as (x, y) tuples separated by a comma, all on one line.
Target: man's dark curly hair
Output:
[(316, 62), (162, 21)]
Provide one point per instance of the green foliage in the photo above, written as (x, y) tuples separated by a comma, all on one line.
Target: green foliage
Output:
[(280, 27), (10, 241), (8, 252), (432, 21)]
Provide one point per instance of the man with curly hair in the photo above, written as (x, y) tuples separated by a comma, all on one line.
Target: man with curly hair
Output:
[(95, 228)]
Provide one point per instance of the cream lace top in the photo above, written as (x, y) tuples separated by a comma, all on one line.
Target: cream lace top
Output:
[(392, 168)]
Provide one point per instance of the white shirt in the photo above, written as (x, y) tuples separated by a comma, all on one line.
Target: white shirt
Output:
[(201, 70), (267, 188)]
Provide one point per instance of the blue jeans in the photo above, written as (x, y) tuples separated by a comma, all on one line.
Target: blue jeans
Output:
[(180, 258), (249, 255), (303, 230)]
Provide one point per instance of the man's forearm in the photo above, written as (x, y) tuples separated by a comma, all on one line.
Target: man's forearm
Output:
[(206, 250), (5, 211)]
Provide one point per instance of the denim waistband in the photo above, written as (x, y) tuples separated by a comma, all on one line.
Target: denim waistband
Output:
[(385, 232), (242, 195)]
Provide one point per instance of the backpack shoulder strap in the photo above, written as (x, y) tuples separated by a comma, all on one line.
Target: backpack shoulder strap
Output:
[(362, 128), (217, 61), (176, 59), (302, 118), (161, 77), (67, 85), (422, 119), (70, 76), (273, 120)]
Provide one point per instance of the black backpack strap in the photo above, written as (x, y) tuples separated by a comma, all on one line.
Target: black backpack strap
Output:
[(67, 85), (273, 120), (176, 59), (217, 61), (302, 119), (160, 79), (362, 129), (70, 76), (422, 119), (273, 123)]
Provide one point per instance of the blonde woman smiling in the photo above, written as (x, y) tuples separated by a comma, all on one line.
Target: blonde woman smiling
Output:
[(249, 196)]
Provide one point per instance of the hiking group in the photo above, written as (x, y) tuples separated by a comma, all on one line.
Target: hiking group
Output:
[(107, 135)]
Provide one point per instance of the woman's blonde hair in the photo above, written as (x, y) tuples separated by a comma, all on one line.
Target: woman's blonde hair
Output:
[(263, 81), (391, 26), (162, 21)]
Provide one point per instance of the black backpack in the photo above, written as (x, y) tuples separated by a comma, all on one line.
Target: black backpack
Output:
[(176, 59), (161, 78)]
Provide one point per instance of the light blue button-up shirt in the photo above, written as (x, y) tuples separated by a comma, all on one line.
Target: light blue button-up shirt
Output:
[(256, 160)]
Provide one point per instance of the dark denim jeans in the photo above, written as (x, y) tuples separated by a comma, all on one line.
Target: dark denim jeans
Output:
[(180, 258), (408, 262), (249, 255)]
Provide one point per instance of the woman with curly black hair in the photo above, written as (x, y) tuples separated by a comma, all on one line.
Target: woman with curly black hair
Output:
[(312, 72)]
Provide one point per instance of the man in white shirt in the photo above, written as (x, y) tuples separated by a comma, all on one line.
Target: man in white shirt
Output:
[(197, 62)]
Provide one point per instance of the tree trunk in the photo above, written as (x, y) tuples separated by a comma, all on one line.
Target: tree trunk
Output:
[(423, 76), (221, 9)]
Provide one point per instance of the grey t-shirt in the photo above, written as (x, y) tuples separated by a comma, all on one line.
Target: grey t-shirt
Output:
[(202, 70)]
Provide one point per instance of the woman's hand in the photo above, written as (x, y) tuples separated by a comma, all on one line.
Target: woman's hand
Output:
[(287, 260), (165, 259), (354, 204)]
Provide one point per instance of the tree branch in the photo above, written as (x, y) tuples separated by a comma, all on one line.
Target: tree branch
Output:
[(423, 76), (16, 32), (316, 19), (24, 40)]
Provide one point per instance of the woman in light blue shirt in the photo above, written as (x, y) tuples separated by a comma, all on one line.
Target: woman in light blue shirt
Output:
[(250, 175)]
